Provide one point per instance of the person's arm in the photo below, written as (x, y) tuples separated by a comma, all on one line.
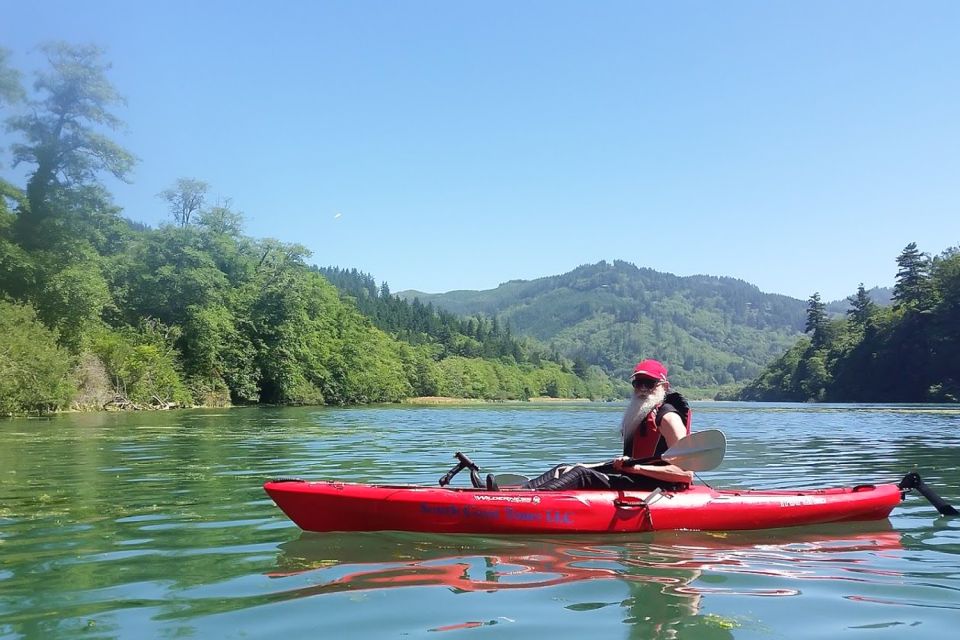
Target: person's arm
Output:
[(665, 473), (672, 428)]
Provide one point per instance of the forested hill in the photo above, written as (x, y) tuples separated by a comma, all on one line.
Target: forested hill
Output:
[(710, 330), (908, 352)]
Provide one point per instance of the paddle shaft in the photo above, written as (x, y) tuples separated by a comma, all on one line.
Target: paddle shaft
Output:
[(633, 461), (701, 451)]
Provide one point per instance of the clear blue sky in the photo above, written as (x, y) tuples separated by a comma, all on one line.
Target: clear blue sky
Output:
[(796, 145)]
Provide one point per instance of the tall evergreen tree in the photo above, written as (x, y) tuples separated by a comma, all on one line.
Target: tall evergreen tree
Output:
[(912, 289), (861, 307), (816, 318)]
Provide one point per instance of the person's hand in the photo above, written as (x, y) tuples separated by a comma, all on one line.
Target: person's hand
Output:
[(618, 463)]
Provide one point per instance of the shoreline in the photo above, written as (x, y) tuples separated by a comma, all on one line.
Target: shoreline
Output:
[(415, 401), (425, 401)]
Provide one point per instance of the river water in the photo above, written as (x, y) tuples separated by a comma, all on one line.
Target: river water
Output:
[(154, 525)]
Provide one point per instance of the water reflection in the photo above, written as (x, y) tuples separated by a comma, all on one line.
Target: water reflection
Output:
[(663, 576)]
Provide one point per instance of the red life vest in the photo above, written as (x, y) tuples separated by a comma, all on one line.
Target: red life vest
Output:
[(647, 440)]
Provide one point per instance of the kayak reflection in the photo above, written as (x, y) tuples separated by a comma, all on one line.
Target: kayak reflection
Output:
[(661, 571)]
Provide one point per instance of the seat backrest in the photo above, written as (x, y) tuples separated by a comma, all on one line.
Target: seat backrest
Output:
[(682, 406)]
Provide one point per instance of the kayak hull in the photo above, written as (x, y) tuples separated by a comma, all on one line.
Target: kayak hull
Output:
[(339, 506)]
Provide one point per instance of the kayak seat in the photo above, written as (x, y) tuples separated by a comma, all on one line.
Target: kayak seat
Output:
[(676, 399)]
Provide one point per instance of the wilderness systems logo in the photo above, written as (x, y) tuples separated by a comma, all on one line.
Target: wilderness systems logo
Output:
[(513, 499)]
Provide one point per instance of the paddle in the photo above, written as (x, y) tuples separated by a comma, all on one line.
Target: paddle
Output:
[(700, 451)]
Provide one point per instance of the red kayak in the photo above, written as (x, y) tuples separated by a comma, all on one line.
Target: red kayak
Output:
[(520, 509), (339, 506)]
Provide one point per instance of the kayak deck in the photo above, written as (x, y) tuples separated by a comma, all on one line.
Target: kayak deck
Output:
[(340, 506)]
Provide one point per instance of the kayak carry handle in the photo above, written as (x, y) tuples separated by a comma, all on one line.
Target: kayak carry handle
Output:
[(913, 481), (463, 463), (639, 503)]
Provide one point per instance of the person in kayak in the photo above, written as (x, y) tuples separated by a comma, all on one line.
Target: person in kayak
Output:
[(654, 421)]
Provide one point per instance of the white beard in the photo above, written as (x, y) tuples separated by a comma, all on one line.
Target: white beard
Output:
[(637, 410)]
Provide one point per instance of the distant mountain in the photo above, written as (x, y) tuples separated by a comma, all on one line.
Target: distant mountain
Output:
[(710, 331)]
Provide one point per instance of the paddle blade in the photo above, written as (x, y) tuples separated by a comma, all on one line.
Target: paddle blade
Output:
[(700, 451)]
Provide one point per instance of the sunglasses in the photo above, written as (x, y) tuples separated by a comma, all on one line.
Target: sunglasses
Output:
[(645, 383)]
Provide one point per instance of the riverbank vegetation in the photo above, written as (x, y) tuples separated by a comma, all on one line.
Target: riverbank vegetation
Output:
[(908, 352), (97, 310)]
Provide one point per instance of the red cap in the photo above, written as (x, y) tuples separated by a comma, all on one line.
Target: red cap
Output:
[(650, 369)]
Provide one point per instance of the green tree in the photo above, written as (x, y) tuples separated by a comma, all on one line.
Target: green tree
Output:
[(816, 318), (912, 288), (143, 363), (862, 307), (185, 198), (221, 220), (217, 355), (293, 326), (947, 278), (815, 377), (580, 367), (421, 369), (62, 132), (16, 264), (72, 299), (170, 272), (34, 371)]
